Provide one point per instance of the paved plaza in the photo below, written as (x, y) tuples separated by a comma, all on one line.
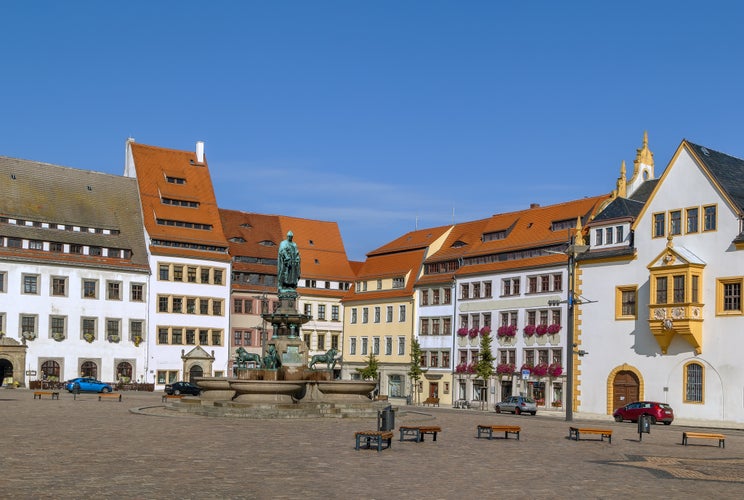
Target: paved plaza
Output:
[(86, 448)]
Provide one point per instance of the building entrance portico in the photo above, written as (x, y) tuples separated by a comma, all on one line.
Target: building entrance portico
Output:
[(12, 361)]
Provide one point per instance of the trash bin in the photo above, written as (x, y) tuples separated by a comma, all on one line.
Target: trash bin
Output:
[(386, 419), (644, 426)]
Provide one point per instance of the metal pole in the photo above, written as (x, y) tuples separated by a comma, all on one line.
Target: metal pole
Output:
[(570, 337)]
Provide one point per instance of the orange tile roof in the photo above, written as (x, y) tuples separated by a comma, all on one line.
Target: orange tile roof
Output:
[(413, 240), (152, 165), (389, 265)]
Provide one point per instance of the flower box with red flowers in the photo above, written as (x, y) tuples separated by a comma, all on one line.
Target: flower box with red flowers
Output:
[(529, 330), (473, 332), (541, 329), (555, 370), (507, 331), (540, 369), (486, 330), (554, 328), (462, 332), (527, 367), (505, 368)]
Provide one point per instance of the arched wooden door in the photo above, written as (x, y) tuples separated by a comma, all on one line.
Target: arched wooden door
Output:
[(625, 389), (196, 371)]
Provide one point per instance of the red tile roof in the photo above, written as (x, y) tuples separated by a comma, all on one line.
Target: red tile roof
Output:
[(153, 165)]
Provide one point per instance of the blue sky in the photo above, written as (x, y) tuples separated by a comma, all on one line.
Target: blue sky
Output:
[(378, 115)]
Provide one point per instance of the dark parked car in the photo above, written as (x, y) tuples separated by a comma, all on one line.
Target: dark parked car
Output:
[(177, 388), (657, 412), (87, 384), (517, 405)]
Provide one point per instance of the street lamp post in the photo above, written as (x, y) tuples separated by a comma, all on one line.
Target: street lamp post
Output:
[(572, 251)]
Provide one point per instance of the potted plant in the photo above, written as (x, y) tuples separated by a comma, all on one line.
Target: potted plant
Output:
[(137, 340), (486, 330), (461, 368), (555, 370), (29, 335), (89, 337), (113, 338), (507, 331), (473, 332), (462, 332), (554, 328), (540, 369), (58, 336), (541, 330), (529, 330)]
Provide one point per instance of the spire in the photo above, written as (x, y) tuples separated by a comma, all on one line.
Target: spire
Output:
[(643, 155), (579, 234), (620, 190)]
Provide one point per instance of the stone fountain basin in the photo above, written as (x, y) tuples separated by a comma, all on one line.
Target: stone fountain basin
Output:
[(267, 391), (346, 389), (214, 389)]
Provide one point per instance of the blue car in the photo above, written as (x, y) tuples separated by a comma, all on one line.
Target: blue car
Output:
[(87, 384)]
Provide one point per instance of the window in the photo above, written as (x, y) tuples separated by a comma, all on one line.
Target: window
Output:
[(487, 289), (728, 296), (321, 342), (389, 314), (399, 282), (31, 284), (90, 289), (377, 314), (113, 290), (163, 335), (177, 273), (401, 346), (95, 251), (476, 290), (190, 336), (532, 284), (169, 376), (379, 284), (177, 304), (204, 337), (191, 275), (137, 292), (308, 309), (353, 318), (693, 383), (625, 302), (709, 221), (204, 306), (28, 325), (321, 311), (692, 220), (608, 235), (334, 341), (365, 346), (659, 225), (162, 304), (88, 328), (217, 277), (59, 286), (464, 291), (177, 336), (57, 327), (435, 296), (675, 222), (164, 272), (334, 313), (136, 329), (661, 290), (56, 247), (557, 282), (619, 234), (376, 346), (598, 237), (217, 308), (447, 296), (678, 282), (352, 345), (402, 314), (216, 338), (365, 315), (3, 281), (113, 328), (425, 297), (204, 275), (388, 346)]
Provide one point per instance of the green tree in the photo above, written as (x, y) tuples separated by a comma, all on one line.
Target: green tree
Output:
[(415, 371), (484, 367), (370, 371)]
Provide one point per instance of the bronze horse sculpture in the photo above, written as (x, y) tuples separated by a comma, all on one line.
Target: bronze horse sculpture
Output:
[(329, 358)]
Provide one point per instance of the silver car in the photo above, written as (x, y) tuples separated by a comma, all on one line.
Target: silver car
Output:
[(517, 405)]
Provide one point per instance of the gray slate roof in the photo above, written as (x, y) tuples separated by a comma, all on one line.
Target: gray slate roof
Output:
[(727, 170), (42, 192)]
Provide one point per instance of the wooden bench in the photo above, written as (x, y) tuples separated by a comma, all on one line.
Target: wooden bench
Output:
[(704, 435), (506, 429), (374, 437), (576, 432), (431, 401), (167, 397), (417, 432), (109, 395), (52, 394), (381, 397)]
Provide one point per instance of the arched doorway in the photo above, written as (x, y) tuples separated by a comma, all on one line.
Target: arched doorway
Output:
[(196, 371), (6, 371), (124, 372), (625, 388), (89, 369), (50, 371)]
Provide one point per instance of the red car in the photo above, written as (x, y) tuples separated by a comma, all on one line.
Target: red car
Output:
[(657, 412)]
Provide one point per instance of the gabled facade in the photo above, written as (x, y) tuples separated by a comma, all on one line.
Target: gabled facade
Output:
[(380, 310), (188, 256), (506, 270), (74, 275), (325, 277), (671, 316)]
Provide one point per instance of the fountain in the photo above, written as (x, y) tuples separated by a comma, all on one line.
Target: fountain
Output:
[(283, 382)]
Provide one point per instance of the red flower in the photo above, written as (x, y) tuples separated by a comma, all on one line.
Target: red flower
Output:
[(462, 332), (541, 329), (554, 328), (507, 331), (540, 369), (529, 330), (555, 370), (472, 333), (505, 368)]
